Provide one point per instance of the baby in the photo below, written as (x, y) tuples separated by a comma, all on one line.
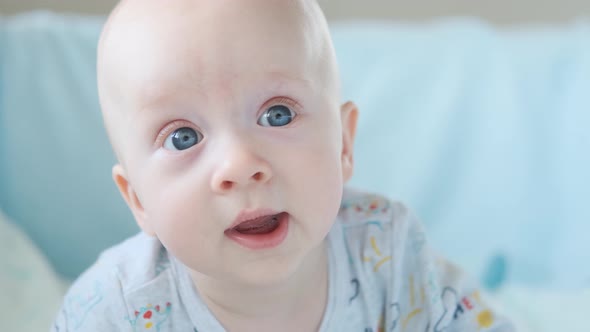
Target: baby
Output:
[(233, 152)]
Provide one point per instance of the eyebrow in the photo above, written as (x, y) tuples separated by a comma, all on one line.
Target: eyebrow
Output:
[(278, 80), (277, 76), (155, 94)]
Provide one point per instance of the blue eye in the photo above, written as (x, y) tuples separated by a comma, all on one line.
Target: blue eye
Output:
[(276, 116), (182, 139)]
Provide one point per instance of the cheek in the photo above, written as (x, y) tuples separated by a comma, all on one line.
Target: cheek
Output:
[(316, 174), (170, 186), (323, 148), (319, 189), (175, 209)]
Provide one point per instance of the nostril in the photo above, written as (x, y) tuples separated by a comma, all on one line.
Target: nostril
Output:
[(226, 185), (258, 176)]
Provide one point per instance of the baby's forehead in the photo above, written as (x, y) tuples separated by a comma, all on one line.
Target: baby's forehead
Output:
[(211, 43)]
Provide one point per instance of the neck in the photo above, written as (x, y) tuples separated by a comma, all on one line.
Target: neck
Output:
[(273, 306)]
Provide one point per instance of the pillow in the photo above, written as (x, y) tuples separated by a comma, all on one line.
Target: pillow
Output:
[(31, 291)]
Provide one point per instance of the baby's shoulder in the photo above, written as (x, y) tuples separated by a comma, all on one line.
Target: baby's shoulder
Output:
[(363, 208), (377, 228), (100, 297), (135, 261)]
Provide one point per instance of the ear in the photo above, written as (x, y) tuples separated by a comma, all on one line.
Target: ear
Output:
[(130, 197), (349, 116)]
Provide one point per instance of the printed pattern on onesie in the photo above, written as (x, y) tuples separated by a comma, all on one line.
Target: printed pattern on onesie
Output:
[(140, 295), (397, 282)]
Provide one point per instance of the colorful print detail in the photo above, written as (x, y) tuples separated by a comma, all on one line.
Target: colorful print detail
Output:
[(380, 325), (150, 317), (372, 212), (376, 256), (357, 289), (366, 207), (455, 308), (379, 258)]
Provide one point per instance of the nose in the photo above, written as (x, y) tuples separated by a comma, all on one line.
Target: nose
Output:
[(240, 167)]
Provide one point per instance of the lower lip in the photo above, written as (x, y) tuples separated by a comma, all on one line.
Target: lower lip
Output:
[(263, 241)]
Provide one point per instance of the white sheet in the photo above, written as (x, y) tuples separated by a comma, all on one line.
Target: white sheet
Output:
[(543, 310)]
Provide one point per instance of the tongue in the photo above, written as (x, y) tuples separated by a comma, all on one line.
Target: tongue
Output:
[(262, 225)]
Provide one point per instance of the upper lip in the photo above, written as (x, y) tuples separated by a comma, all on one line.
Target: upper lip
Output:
[(249, 214)]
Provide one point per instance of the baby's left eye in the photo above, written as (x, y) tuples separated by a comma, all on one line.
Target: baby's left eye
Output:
[(182, 139), (276, 116)]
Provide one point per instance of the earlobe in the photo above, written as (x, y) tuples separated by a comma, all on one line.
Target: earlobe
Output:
[(130, 197), (349, 115)]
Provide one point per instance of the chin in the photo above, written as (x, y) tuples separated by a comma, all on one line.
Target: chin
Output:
[(268, 274), (279, 270)]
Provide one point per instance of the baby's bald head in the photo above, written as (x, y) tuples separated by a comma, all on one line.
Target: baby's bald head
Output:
[(151, 48), (216, 106)]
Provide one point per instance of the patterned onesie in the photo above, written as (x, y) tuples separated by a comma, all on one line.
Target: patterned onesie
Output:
[(382, 277)]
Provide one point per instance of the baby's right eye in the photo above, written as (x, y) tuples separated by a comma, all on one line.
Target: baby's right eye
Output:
[(182, 139)]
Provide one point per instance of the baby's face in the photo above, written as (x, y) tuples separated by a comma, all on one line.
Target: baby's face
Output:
[(221, 111)]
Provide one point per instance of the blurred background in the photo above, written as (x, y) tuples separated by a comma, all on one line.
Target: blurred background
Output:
[(476, 114), (498, 11)]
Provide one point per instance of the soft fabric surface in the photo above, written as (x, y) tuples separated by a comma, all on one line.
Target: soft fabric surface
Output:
[(31, 293), (30, 290), (542, 310), (484, 132)]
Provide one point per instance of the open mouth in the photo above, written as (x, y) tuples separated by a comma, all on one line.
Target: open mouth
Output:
[(262, 232), (261, 225)]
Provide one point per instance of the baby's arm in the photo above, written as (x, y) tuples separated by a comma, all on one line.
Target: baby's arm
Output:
[(93, 303), (452, 301), (465, 307)]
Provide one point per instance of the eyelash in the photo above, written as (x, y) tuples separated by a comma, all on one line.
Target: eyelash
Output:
[(169, 129), (281, 101)]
